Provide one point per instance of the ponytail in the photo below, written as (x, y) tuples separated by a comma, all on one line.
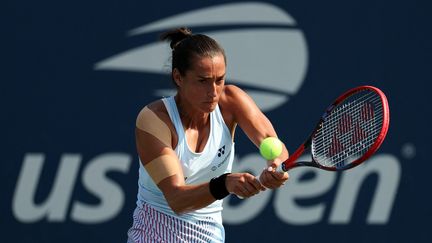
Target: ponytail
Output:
[(176, 36)]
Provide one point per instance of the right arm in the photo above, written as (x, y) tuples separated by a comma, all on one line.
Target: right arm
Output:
[(153, 141)]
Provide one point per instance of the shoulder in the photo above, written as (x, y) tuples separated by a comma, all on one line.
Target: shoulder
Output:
[(231, 90), (232, 95), (227, 101), (236, 99), (154, 120), (155, 108), (154, 112), (235, 102)]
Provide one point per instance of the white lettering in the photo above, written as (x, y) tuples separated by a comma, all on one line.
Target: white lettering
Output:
[(311, 183), (249, 208), (388, 170), (110, 193), (55, 206), (286, 205), (304, 184)]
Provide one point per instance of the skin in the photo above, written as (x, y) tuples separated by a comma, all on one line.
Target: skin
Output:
[(200, 90)]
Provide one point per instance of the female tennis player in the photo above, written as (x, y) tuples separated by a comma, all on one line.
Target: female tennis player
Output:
[(186, 148)]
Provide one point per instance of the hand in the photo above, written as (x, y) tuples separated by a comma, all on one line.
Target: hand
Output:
[(272, 179), (243, 184)]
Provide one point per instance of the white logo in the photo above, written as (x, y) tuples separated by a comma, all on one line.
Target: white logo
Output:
[(287, 203), (270, 63)]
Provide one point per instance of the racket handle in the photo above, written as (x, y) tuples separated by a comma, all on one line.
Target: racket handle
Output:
[(240, 197), (278, 169), (290, 162)]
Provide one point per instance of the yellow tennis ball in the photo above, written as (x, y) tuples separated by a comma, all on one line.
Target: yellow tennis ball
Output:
[(270, 148)]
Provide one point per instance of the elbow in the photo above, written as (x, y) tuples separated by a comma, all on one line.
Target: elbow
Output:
[(178, 210), (177, 207), (176, 202)]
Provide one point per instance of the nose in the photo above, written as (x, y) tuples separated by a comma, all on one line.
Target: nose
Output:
[(211, 92)]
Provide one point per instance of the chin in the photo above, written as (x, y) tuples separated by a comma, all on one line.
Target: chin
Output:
[(209, 107)]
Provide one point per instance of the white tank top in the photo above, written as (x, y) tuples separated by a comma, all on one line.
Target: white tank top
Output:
[(215, 159)]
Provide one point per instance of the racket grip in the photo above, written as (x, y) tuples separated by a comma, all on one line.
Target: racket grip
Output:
[(240, 197), (279, 169)]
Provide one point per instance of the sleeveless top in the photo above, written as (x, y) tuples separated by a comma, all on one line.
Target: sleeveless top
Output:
[(215, 159)]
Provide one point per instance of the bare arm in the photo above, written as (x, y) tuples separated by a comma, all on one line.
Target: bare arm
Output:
[(257, 127), (153, 141)]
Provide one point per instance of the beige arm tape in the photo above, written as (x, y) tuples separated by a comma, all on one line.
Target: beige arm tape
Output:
[(149, 122), (162, 167)]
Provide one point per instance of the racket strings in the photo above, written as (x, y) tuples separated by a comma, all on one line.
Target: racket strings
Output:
[(349, 130), (350, 106), (336, 121), (353, 143), (359, 132)]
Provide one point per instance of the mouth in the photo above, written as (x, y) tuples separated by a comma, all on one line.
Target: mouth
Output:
[(210, 102)]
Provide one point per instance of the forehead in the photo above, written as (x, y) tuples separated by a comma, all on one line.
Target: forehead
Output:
[(206, 65)]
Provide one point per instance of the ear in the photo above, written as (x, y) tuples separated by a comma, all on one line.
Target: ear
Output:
[(177, 77)]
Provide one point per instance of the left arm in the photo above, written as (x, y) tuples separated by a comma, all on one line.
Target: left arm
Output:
[(240, 107)]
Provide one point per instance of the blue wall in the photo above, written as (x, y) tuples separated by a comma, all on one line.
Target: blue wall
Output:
[(75, 74)]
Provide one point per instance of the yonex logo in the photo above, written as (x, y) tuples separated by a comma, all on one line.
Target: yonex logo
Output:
[(266, 52), (352, 130), (221, 151)]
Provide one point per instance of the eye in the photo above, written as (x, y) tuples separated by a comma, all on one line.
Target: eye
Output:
[(221, 80)]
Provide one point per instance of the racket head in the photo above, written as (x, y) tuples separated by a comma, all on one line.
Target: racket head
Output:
[(351, 130)]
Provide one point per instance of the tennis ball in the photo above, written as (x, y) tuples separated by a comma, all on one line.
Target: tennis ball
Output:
[(270, 148)]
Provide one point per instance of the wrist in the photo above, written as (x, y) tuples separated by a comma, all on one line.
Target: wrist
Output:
[(218, 188)]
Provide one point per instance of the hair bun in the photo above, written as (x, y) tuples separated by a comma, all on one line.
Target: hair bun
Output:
[(175, 36)]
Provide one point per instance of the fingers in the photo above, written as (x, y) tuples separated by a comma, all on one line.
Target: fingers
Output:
[(257, 184), (272, 179), (243, 184), (246, 185), (251, 186)]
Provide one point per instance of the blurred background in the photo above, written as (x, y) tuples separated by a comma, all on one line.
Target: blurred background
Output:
[(75, 74)]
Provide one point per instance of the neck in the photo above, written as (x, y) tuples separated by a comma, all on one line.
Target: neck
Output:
[(191, 117)]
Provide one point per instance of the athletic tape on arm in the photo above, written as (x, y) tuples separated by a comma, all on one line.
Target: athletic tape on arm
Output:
[(162, 167), (149, 122)]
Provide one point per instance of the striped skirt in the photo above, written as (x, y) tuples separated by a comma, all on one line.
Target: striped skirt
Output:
[(151, 225)]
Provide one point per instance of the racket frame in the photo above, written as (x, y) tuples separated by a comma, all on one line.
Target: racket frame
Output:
[(291, 161)]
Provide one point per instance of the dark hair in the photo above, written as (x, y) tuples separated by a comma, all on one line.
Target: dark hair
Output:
[(186, 46)]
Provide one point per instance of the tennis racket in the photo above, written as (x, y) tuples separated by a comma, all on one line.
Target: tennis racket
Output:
[(349, 132)]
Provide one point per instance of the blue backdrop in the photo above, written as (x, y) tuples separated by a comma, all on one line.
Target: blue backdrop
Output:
[(75, 75)]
